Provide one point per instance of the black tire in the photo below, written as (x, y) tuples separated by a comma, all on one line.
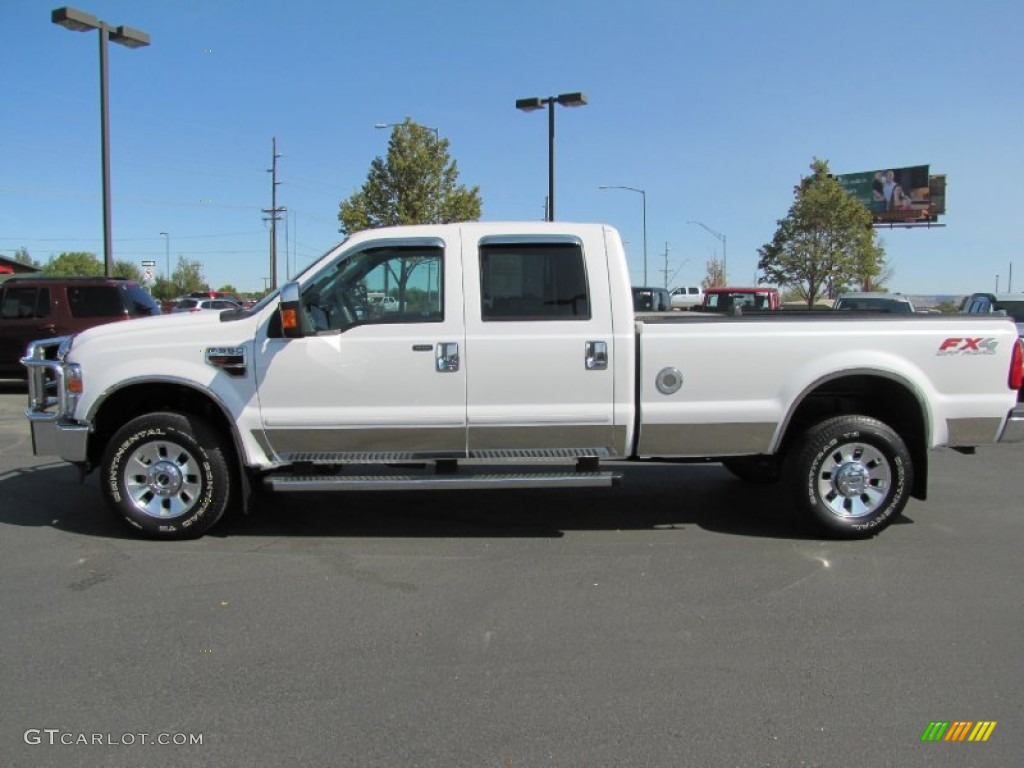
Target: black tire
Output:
[(851, 476), (165, 474), (761, 470)]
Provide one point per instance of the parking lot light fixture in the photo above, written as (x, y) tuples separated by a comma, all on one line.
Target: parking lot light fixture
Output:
[(533, 103), (80, 21)]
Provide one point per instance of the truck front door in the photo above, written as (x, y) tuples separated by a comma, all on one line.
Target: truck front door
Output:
[(371, 380)]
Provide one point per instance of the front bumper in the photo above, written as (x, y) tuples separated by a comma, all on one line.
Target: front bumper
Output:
[(1013, 430), (50, 404), (51, 437)]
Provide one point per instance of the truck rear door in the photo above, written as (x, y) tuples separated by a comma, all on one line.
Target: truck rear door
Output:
[(539, 351)]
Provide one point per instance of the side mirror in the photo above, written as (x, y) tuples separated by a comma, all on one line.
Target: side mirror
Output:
[(291, 313)]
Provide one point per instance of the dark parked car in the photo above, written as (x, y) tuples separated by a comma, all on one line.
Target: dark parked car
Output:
[(37, 307), (1012, 304), (874, 301), (651, 300)]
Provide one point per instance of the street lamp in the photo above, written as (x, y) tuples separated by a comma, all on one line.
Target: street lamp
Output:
[(576, 99), (79, 21), (644, 194), (437, 135), (725, 258), (167, 243)]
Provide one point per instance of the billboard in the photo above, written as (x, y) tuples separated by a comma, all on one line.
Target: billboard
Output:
[(898, 195)]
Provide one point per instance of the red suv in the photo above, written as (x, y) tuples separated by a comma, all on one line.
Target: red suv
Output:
[(36, 307)]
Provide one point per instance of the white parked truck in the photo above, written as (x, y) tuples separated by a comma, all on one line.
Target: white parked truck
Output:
[(512, 358)]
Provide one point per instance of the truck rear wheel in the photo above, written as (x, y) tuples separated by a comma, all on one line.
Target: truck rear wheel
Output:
[(851, 475), (166, 475)]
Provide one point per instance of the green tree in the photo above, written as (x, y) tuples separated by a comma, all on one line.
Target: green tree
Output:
[(21, 256), (188, 277), (127, 269), (228, 288), (164, 289), (417, 183), (74, 264), (825, 243)]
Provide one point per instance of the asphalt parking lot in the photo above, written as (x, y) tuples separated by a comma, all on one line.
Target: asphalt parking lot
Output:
[(683, 619)]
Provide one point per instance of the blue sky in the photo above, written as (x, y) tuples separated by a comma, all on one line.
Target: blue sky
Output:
[(715, 109)]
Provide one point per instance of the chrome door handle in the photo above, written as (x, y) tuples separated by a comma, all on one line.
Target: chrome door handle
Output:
[(446, 357), (596, 356)]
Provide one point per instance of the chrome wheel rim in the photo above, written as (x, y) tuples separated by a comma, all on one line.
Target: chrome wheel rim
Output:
[(854, 480), (163, 479)]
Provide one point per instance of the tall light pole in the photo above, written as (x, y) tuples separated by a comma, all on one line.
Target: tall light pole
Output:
[(437, 134), (79, 21), (167, 244), (644, 195), (720, 236), (576, 99)]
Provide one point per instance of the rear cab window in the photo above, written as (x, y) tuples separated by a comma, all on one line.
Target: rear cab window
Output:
[(533, 281)]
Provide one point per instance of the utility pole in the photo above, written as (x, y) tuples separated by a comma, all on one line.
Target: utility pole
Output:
[(274, 215), (665, 270)]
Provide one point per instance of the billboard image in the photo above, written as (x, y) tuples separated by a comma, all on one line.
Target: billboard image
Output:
[(897, 195)]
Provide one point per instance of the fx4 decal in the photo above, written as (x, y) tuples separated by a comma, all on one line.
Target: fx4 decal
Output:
[(979, 346)]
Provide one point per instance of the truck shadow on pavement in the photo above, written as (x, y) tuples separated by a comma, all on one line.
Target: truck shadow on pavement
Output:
[(651, 497)]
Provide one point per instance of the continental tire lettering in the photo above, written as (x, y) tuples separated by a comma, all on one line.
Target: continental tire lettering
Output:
[(812, 494), (901, 478)]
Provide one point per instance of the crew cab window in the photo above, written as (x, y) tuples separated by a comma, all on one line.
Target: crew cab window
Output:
[(379, 285), (533, 281), (25, 303)]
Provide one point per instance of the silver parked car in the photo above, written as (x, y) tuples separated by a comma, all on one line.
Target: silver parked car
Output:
[(205, 305)]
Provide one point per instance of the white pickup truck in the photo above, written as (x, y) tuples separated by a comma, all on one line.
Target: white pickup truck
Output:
[(513, 359)]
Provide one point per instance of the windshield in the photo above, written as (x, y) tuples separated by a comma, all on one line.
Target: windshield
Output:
[(273, 294)]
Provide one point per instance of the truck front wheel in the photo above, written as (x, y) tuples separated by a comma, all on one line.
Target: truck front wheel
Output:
[(852, 475), (165, 474)]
